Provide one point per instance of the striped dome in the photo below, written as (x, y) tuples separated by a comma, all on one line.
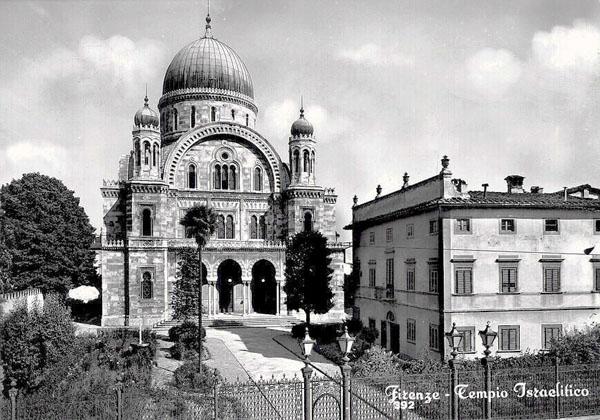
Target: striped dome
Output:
[(208, 63)]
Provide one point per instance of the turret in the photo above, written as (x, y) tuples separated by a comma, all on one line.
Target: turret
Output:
[(302, 151), (146, 143)]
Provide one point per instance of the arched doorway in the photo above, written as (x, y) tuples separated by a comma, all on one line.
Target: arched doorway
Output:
[(264, 287), (229, 282)]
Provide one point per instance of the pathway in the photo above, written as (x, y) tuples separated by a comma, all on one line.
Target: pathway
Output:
[(266, 352)]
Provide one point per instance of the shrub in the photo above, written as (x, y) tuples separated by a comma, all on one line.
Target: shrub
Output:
[(33, 342), (188, 378), (377, 362), (369, 335), (186, 333), (323, 333), (355, 326)]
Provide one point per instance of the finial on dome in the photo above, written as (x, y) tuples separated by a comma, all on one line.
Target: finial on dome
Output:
[(146, 97), (301, 106), (208, 32)]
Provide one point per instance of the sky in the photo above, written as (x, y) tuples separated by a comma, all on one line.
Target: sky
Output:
[(501, 87)]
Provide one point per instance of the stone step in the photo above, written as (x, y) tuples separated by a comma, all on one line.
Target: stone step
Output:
[(233, 321)]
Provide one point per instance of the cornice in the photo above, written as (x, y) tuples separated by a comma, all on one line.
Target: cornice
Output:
[(210, 94)]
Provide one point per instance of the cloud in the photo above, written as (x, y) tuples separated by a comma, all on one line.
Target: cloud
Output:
[(279, 116), (492, 72), (567, 49), (34, 156), (115, 65), (26, 151), (120, 60), (374, 55)]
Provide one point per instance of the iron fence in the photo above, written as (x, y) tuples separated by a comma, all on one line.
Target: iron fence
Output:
[(575, 392)]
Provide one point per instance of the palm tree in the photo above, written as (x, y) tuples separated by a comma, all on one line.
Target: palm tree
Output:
[(199, 222)]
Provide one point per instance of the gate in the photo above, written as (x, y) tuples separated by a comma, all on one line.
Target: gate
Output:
[(327, 397)]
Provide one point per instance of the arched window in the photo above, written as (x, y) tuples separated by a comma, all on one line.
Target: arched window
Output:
[(232, 177), (146, 285), (308, 222), (217, 177), (146, 222), (306, 157), (175, 120), (192, 176), (258, 179), (221, 227), (229, 228), (193, 117), (312, 163), (213, 113), (262, 228), (247, 117), (224, 177), (155, 155), (253, 227), (138, 153), (296, 161), (147, 153)]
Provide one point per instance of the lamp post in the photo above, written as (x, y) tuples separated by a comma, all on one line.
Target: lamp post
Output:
[(307, 345), (488, 336), (454, 341), (345, 342)]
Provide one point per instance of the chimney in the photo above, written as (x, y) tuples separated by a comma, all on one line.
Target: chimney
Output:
[(378, 190), (460, 184), (515, 184), (405, 178), (485, 187), (537, 190), (354, 200), (565, 193)]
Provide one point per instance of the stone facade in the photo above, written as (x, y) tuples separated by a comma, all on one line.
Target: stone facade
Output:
[(202, 148)]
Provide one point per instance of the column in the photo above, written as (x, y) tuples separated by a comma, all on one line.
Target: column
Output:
[(212, 291), (166, 285), (278, 297), (246, 295)]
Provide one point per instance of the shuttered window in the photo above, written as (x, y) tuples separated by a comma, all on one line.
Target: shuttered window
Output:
[(410, 277), (508, 280), (434, 336), (467, 343), (464, 281), (433, 279), (549, 333), (551, 279), (411, 330), (597, 279), (509, 338)]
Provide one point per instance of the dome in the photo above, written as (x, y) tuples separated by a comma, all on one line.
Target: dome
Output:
[(146, 116), (208, 64), (301, 127)]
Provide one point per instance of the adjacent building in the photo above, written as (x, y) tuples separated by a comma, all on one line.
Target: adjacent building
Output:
[(203, 147), (436, 253)]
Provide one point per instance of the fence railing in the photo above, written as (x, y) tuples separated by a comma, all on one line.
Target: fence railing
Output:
[(515, 393)]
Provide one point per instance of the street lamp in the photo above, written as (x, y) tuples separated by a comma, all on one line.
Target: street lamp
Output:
[(488, 336), (345, 342), (454, 340), (307, 346)]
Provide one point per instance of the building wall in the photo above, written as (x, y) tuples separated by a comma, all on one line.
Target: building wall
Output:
[(418, 252), (531, 306)]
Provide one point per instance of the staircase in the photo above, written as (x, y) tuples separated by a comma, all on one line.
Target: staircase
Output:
[(227, 321)]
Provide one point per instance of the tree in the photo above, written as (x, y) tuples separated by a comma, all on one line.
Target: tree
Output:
[(47, 234), (308, 274), (185, 293), (351, 284), (199, 223)]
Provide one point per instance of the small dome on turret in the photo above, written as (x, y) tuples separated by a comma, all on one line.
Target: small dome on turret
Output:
[(301, 127), (146, 116)]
